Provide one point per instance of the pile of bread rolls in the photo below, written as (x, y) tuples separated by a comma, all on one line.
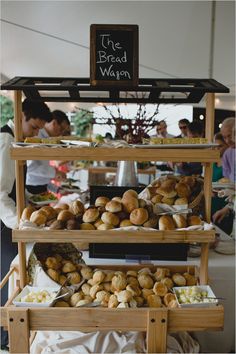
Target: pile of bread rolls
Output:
[(128, 210), (132, 288)]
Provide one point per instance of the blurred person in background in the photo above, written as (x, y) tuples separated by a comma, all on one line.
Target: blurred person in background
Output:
[(217, 166), (161, 130), (35, 115), (228, 161), (39, 172), (183, 127)]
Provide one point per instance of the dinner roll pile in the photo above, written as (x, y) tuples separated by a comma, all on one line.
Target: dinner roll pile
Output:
[(132, 288)]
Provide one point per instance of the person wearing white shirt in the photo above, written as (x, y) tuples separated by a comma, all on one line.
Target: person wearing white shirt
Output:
[(161, 130), (35, 115), (39, 172)]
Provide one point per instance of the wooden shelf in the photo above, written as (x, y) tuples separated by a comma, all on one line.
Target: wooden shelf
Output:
[(112, 154), (97, 236)]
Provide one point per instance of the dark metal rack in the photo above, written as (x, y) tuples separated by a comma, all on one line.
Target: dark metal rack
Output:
[(147, 90)]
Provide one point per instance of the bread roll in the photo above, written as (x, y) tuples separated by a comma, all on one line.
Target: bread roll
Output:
[(183, 190), (75, 298), (166, 222), (190, 279), (154, 301), (105, 227), (110, 218), (39, 218), (86, 226), (73, 277), (63, 206), (142, 203), (125, 223), (129, 203), (130, 193), (90, 215), (53, 274), (194, 220), (167, 192), (181, 201), (57, 225), (68, 267), (122, 215), (62, 279), (61, 304), (168, 298), (117, 199), (27, 213), (145, 281), (180, 221), (50, 212), (169, 201), (168, 282), (65, 215), (72, 224), (86, 272), (179, 279), (76, 208), (156, 199), (98, 222), (151, 222), (139, 216), (160, 289), (101, 201), (190, 180), (113, 206)]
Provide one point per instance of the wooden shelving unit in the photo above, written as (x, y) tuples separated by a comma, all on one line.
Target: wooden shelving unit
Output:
[(156, 322)]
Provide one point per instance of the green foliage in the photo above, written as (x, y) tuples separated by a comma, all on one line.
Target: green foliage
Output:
[(82, 121), (7, 110)]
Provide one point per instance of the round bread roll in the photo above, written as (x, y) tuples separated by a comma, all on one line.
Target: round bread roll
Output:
[(166, 222), (190, 180), (139, 300), (130, 193), (122, 215), (101, 201), (145, 281), (50, 212), (183, 190), (105, 227), (169, 201), (146, 293), (168, 298), (27, 213), (113, 206), (76, 208), (113, 302), (117, 199), (160, 274), (61, 304), (75, 298), (125, 223), (166, 191), (179, 279), (138, 216), (173, 304), (73, 277), (129, 203), (90, 215), (52, 262), (65, 215), (142, 203), (98, 276), (168, 282), (119, 282), (190, 279), (181, 201), (68, 267), (86, 272), (168, 182), (63, 206), (124, 296), (94, 289), (62, 279), (180, 221), (72, 224), (38, 217), (110, 218), (160, 289), (53, 274), (151, 192), (156, 199), (151, 222), (194, 220), (154, 301), (57, 225), (82, 302), (87, 226), (98, 222)]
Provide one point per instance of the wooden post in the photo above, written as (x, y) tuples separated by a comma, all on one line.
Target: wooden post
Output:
[(18, 329), (203, 277), (210, 116), (157, 331), (20, 187)]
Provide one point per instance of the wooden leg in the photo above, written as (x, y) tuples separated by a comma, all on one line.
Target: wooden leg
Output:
[(18, 329), (204, 264), (157, 331)]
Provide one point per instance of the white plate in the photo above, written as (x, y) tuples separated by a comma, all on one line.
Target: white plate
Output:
[(171, 146), (43, 202), (27, 289), (37, 145), (206, 288), (77, 142)]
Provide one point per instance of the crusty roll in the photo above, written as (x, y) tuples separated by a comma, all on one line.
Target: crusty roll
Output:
[(117, 199), (141, 203), (181, 201), (151, 222), (154, 301), (65, 215), (53, 274), (52, 262), (139, 216), (110, 218), (190, 180), (90, 215), (194, 220), (180, 221), (105, 227), (27, 213), (183, 190), (125, 223), (113, 206), (169, 201), (50, 212), (166, 223), (57, 225), (160, 289), (101, 201), (129, 203), (98, 222), (156, 198), (63, 206), (38, 217), (130, 193), (87, 226), (167, 192), (179, 279), (72, 224), (76, 207)]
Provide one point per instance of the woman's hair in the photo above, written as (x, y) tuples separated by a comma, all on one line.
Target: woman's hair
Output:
[(196, 127), (36, 109), (60, 117)]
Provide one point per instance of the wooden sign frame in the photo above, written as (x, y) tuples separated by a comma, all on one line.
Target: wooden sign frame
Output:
[(121, 67)]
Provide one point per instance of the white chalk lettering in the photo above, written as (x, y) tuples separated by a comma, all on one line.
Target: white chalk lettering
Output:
[(107, 42), (103, 58), (114, 73)]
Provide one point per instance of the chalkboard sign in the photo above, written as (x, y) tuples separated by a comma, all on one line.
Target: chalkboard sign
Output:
[(114, 55)]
